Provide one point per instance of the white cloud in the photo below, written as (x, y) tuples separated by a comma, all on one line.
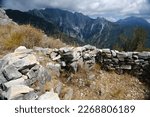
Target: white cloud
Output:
[(112, 9)]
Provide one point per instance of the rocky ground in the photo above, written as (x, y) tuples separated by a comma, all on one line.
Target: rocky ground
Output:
[(70, 73)]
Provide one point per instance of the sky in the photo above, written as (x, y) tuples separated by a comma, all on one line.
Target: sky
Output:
[(110, 9)]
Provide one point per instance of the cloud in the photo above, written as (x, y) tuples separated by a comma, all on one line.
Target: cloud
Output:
[(111, 9)]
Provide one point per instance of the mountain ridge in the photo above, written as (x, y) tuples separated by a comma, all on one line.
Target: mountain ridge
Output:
[(98, 32)]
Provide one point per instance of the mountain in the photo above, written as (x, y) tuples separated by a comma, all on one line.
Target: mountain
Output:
[(98, 32), (129, 24), (132, 21), (26, 18)]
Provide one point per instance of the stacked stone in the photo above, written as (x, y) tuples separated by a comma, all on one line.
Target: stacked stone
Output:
[(18, 72), (87, 56)]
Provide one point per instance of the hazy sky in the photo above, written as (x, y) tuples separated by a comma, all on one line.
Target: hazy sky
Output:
[(110, 9)]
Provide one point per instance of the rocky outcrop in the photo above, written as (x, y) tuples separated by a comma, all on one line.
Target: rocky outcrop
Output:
[(4, 19), (19, 71)]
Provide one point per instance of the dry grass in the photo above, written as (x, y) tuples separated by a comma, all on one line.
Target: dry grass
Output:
[(12, 36), (104, 85), (50, 42)]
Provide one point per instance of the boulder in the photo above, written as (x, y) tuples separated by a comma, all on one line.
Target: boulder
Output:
[(38, 73), (113, 52), (144, 55), (63, 64), (87, 56), (20, 81), (49, 96), (43, 75), (4, 19), (55, 68), (17, 90), (30, 96), (55, 56), (106, 51), (89, 47), (27, 62), (122, 55), (33, 73), (2, 78), (76, 55), (126, 67), (74, 65), (10, 72), (23, 50)]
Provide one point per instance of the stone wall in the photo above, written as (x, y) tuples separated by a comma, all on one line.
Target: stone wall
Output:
[(21, 70), (87, 56)]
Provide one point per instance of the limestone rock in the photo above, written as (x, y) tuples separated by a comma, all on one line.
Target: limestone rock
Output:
[(23, 49), (144, 55), (55, 56), (55, 68), (2, 78), (10, 72), (74, 65), (106, 51), (127, 67), (49, 96), (20, 81), (17, 90), (4, 19), (30, 96), (89, 47), (26, 62)]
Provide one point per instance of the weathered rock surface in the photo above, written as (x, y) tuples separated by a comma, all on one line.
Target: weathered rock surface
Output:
[(18, 72), (49, 96), (20, 81), (10, 72), (4, 18), (17, 90)]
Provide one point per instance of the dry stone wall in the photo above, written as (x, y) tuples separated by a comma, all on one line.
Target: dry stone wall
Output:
[(87, 56), (20, 70)]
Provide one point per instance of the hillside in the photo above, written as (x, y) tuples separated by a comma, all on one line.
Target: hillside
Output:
[(34, 66)]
